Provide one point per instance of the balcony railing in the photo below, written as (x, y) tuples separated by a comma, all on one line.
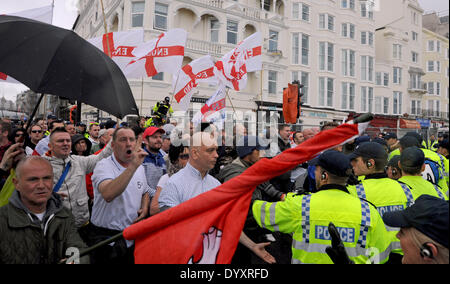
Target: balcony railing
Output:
[(204, 46), (417, 87), (429, 113), (212, 3)]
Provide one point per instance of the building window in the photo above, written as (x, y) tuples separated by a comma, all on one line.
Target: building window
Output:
[(137, 14), (367, 68), (305, 49), (161, 16), (326, 56), (415, 36), (348, 96), (348, 30), (378, 104), (415, 82), (304, 11), (295, 10), (430, 66), (397, 106), (397, 76), (348, 4), (397, 51), (159, 76), (296, 49), (232, 28), (414, 57), (273, 40), (363, 37), (272, 82), (304, 80), (416, 107), (430, 88), (326, 21), (348, 62), (385, 105), (326, 90), (430, 45), (215, 30)]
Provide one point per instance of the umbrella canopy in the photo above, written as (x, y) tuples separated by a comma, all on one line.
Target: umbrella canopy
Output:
[(56, 61)]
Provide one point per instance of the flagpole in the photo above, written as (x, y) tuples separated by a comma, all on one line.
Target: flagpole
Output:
[(142, 91), (106, 29), (226, 92)]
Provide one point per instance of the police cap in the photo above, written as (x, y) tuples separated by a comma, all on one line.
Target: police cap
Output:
[(444, 144), (371, 150), (409, 141), (428, 214), (412, 157), (335, 163)]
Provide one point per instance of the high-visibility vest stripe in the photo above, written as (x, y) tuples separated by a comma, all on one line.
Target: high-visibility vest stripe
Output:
[(409, 196), (365, 223), (305, 217), (360, 191), (440, 194)]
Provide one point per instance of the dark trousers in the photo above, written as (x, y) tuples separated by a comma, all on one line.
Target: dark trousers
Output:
[(115, 253)]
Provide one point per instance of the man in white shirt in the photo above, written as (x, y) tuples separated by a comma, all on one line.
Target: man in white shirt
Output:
[(193, 179), (121, 195)]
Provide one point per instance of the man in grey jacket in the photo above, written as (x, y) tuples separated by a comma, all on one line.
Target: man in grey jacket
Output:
[(34, 225), (73, 188)]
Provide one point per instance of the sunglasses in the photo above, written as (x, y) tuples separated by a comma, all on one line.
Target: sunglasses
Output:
[(184, 156), (36, 131), (19, 134)]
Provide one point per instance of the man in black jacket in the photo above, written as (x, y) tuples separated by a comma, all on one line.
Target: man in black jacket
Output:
[(248, 149)]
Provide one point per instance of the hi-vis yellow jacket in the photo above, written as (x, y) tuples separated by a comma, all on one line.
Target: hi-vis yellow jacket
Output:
[(307, 217)]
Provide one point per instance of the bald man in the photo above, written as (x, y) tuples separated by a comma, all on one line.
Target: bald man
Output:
[(34, 225), (193, 179), (308, 133)]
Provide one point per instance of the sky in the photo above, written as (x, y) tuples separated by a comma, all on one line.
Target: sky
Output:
[(65, 13)]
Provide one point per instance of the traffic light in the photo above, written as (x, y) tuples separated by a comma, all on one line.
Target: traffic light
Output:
[(300, 95)]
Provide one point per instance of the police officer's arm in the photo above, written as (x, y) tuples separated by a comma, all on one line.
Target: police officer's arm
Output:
[(284, 216)]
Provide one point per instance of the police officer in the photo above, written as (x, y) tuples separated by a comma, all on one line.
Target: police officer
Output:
[(393, 170), (160, 110), (436, 171), (307, 217), (424, 230), (370, 160), (412, 165)]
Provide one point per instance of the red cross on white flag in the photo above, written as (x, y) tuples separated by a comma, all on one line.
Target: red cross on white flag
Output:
[(199, 70), (119, 45), (163, 54), (232, 68), (214, 109), (42, 14)]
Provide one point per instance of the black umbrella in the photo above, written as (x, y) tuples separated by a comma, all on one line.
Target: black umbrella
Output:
[(56, 61)]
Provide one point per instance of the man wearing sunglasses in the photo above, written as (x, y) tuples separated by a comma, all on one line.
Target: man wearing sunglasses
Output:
[(36, 134)]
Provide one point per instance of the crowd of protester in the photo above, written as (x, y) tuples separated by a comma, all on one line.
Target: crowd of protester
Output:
[(82, 184)]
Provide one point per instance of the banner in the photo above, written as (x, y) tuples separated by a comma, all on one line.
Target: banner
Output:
[(163, 54), (206, 228), (214, 109), (233, 67), (119, 45), (199, 70)]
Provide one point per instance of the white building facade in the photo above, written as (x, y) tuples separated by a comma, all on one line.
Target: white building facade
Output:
[(331, 46)]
